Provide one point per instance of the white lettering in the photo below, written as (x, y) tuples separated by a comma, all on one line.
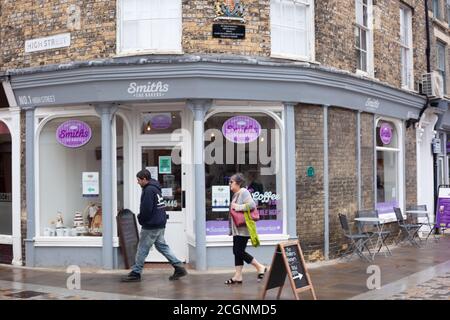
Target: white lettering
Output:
[(265, 197), (150, 89)]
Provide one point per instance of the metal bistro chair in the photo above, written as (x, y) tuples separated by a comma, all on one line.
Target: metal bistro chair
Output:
[(358, 241), (410, 230), (428, 223), (373, 229)]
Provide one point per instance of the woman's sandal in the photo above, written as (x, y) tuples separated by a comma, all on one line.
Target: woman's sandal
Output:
[(231, 281), (261, 275)]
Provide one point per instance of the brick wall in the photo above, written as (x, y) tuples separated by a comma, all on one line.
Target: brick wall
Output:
[(342, 171), (198, 18), (92, 24), (410, 166), (310, 195), (367, 161)]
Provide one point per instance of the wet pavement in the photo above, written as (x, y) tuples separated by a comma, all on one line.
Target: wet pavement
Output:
[(410, 273)]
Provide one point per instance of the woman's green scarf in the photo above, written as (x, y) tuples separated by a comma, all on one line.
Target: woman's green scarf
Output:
[(251, 226)]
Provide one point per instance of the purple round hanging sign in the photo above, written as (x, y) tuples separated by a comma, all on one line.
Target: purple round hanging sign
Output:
[(386, 133), (241, 129), (73, 133), (161, 121)]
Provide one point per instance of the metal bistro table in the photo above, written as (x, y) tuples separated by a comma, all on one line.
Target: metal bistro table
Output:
[(380, 240)]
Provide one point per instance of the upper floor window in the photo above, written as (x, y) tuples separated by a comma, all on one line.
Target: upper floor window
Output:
[(436, 9), (292, 28), (364, 36), (406, 47), (448, 12), (152, 26), (440, 63)]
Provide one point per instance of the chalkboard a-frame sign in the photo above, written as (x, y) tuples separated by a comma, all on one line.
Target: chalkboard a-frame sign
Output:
[(128, 236), (288, 261)]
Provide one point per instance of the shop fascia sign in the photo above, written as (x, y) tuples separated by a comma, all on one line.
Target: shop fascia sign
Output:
[(73, 133), (149, 89)]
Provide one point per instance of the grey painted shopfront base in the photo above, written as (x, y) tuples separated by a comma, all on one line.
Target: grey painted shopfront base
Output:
[(79, 256)]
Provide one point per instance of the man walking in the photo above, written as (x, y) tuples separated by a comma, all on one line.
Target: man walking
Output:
[(152, 217)]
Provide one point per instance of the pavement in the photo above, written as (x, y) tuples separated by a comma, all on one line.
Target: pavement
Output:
[(410, 273)]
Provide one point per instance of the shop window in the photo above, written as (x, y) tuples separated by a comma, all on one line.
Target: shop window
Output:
[(248, 143), (387, 179), (160, 122), (5, 181), (292, 28), (149, 26), (70, 177)]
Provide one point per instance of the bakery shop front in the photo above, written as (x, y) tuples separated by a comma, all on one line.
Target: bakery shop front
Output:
[(90, 127)]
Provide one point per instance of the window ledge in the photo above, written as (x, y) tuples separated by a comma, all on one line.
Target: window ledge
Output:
[(5, 239), (147, 52), (72, 242), (227, 241), (293, 57)]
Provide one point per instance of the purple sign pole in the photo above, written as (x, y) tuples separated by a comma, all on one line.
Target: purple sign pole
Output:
[(73, 133)]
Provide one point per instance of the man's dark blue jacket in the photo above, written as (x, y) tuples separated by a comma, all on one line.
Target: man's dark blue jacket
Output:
[(152, 213)]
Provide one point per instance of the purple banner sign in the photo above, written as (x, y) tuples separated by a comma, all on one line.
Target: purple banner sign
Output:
[(386, 207), (73, 133), (386, 133), (241, 129), (219, 228), (443, 208)]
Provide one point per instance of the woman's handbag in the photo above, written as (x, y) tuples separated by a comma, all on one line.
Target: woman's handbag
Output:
[(238, 217), (251, 226)]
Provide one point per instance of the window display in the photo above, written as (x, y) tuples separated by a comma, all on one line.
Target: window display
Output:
[(387, 167), (248, 143), (69, 177)]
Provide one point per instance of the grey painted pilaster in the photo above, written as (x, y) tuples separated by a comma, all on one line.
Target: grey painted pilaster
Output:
[(30, 186), (326, 219), (106, 112), (375, 196), (199, 109), (358, 156), (291, 201)]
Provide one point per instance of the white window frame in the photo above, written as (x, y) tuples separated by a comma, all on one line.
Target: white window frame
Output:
[(270, 111), (126, 52), (448, 12), (390, 217), (310, 34), (442, 70), (369, 38), (42, 117), (406, 44)]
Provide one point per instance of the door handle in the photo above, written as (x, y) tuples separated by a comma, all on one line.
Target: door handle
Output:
[(183, 199)]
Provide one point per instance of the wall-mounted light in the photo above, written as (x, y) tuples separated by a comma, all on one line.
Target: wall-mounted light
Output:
[(148, 128)]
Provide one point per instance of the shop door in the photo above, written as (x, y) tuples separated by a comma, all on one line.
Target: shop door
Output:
[(165, 166), (6, 251)]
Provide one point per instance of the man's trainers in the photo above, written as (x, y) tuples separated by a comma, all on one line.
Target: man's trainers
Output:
[(132, 277), (178, 273)]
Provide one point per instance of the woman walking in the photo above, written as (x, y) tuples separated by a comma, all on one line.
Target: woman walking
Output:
[(241, 235)]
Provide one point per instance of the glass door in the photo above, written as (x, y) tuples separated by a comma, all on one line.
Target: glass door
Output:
[(164, 164)]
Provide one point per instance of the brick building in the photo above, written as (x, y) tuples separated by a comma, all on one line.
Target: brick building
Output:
[(312, 100)]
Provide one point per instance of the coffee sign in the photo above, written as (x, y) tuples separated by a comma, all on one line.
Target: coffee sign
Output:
[(73, 133), (241, 129)]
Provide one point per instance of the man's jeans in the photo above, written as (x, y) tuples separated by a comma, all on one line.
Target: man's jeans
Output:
[(146, 241)]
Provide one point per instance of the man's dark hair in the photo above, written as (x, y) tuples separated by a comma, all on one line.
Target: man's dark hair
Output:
[(144, 174)]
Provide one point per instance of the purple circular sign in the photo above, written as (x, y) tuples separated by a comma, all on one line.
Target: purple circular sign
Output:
[(386, 133), (241, 129), (161, 121), (73, 133)]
